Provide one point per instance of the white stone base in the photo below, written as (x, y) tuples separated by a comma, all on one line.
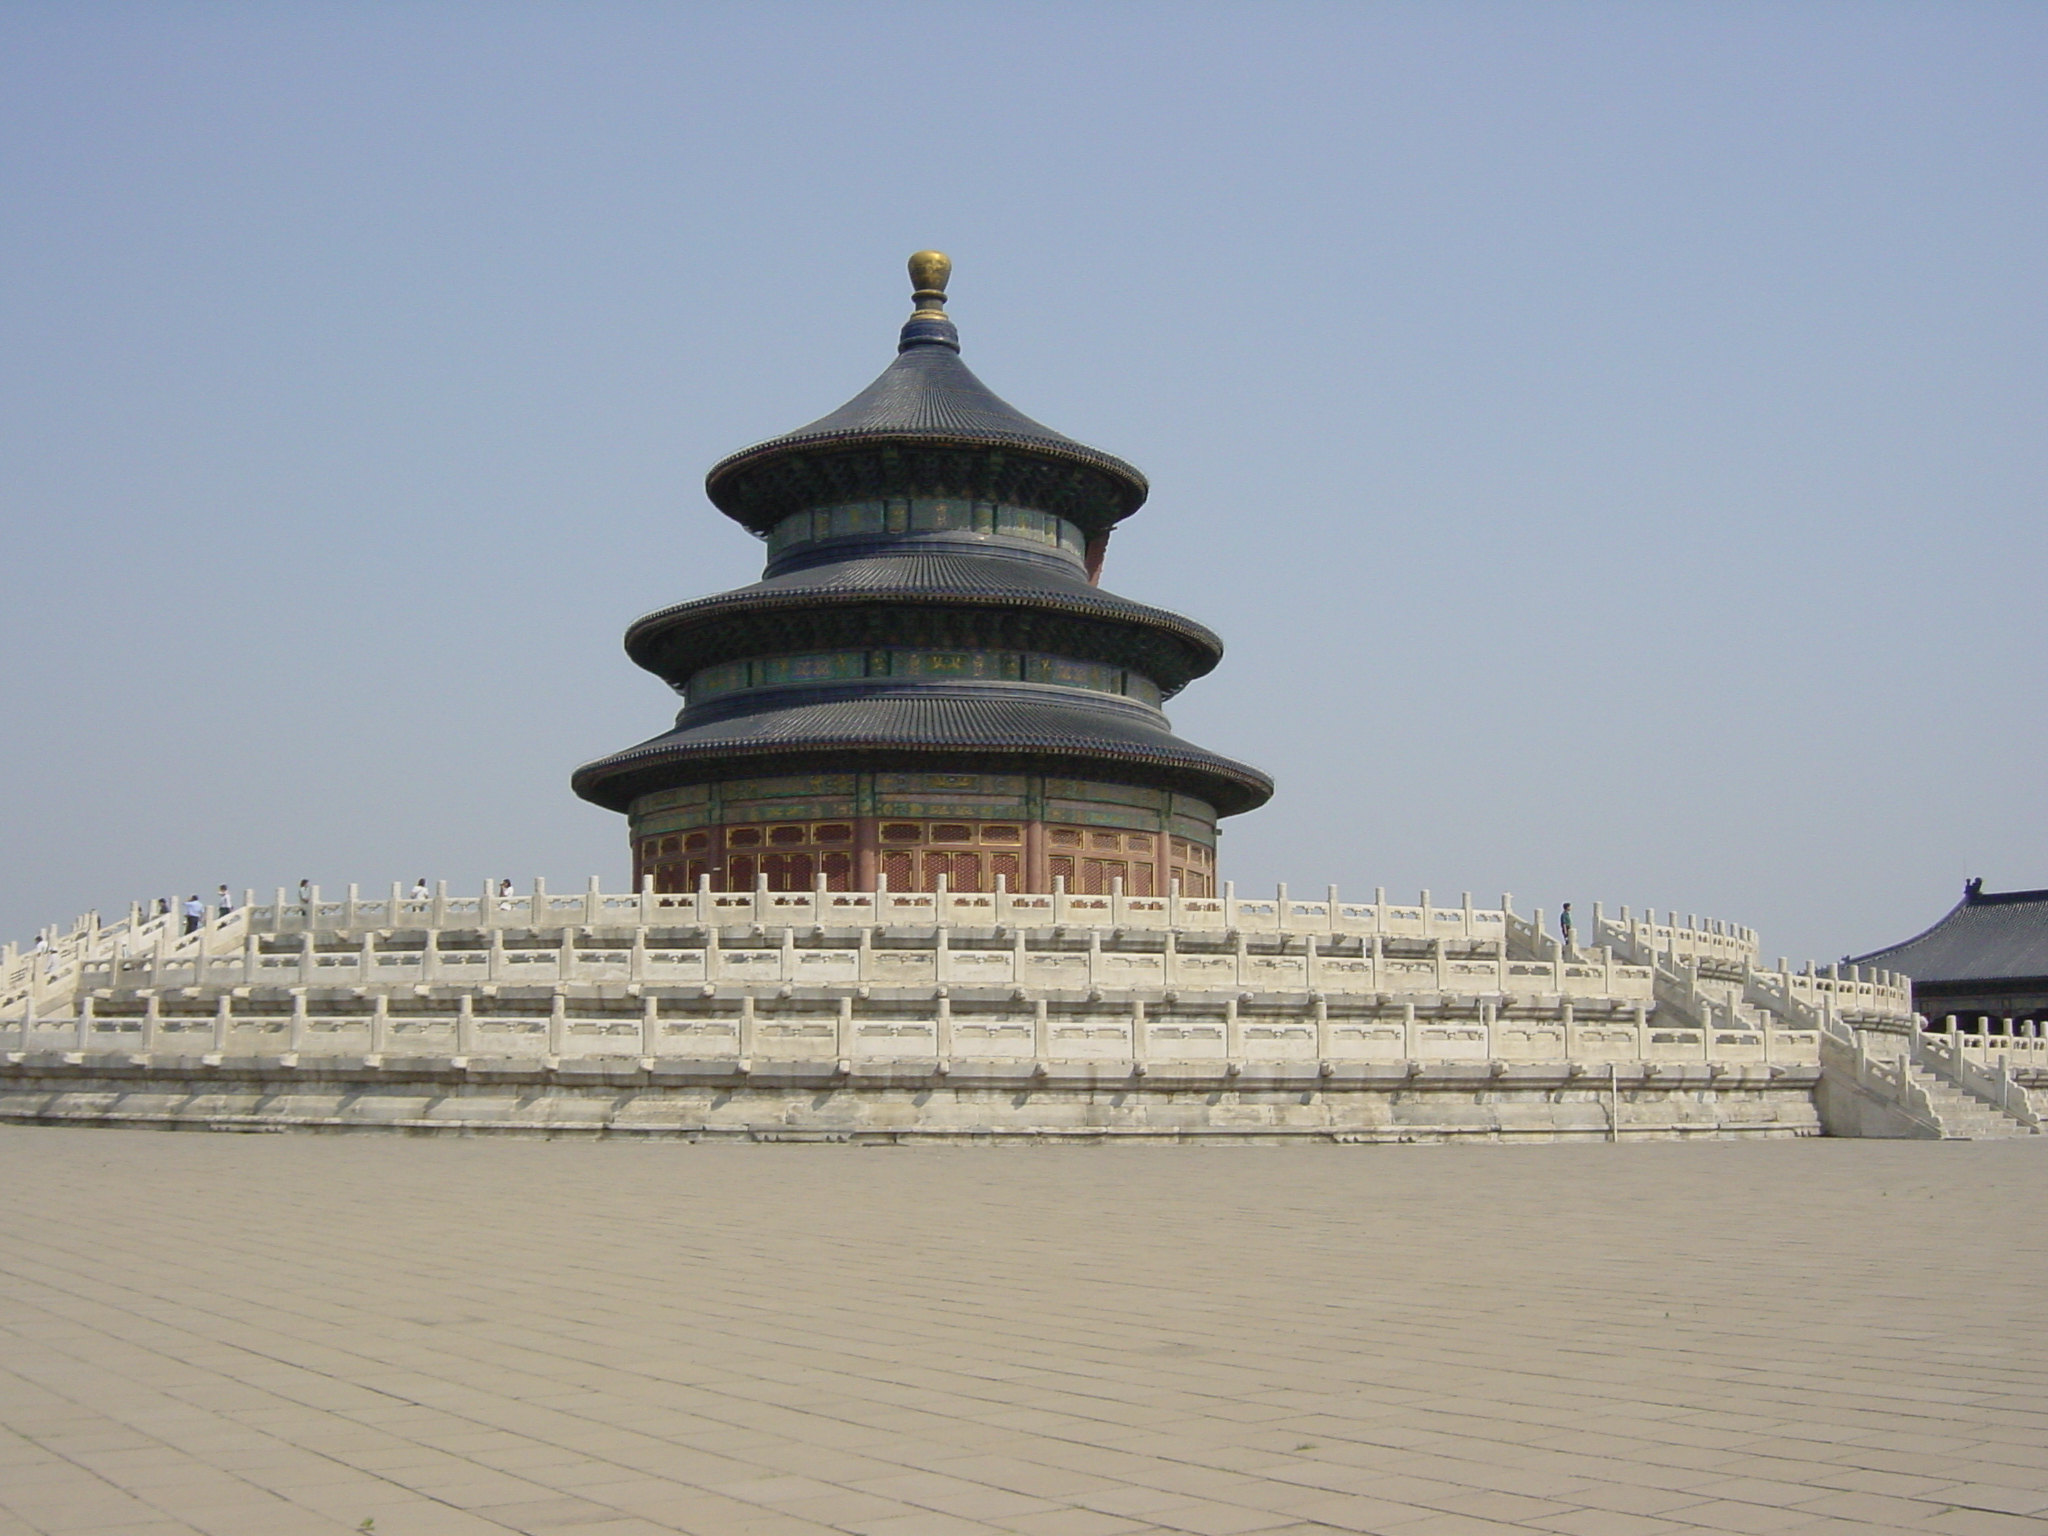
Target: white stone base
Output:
[(914, 1102)]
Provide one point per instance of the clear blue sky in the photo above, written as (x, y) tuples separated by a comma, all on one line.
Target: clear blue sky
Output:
[(1609, 436)]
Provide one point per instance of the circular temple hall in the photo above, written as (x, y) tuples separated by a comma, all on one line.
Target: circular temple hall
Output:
[(928, 688)]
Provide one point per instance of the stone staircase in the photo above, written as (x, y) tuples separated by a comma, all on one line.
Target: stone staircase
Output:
[(1964, 1116)]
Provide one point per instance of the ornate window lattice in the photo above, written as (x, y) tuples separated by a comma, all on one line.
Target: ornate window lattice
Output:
[(914, 855), (844, 666)]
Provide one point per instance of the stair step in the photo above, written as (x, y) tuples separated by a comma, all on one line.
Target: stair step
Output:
[(1963, 1115)]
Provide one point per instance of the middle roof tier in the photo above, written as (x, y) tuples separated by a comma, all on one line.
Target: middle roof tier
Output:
[(986, 598)]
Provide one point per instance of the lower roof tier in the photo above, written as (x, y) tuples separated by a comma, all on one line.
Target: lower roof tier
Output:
[(989, 729)]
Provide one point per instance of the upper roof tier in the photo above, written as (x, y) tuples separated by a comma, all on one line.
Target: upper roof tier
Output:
[(927, 426)]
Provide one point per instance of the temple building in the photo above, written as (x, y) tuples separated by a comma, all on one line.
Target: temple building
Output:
[(1984, 964), (928, 688)]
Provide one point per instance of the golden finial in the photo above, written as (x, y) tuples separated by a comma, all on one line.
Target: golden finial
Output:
[(928, 273)]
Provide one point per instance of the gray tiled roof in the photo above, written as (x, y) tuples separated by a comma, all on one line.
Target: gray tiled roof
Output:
[(980, 579), (1988, 936), (928, 394), (1043, 723), (930, 390)]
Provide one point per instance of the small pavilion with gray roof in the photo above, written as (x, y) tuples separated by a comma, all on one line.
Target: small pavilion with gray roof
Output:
[(1986, 960)]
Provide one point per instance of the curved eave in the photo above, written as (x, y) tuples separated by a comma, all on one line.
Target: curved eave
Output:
[(648, 637), (1890, 958), (1024, 736), (1122, 486), (1994, 937), (1134, 485)]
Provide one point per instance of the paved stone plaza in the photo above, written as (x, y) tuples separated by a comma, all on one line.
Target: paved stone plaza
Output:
[(274, 1335)]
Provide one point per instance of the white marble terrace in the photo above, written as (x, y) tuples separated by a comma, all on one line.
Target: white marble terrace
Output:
[(878, 976)]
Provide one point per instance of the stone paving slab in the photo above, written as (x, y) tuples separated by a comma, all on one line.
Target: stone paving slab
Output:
[(305, 1336)]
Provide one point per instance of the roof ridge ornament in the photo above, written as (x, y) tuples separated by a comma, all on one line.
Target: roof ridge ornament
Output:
[(929, 324)]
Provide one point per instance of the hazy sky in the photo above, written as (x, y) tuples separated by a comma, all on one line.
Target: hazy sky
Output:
[(1608, 437)]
